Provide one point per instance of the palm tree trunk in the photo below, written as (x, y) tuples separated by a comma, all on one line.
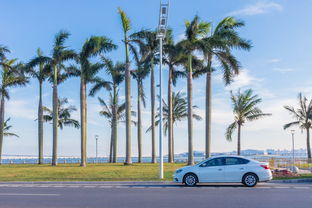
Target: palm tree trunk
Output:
[(115, 142), (1, 126), (190, 112), (170, 134), (114, 125), (208, 113), (83, 121), (55, 118), (153, 112), (239, 139), (172, 145), (111, 145), (40, 126), (308, 146), (128, 105), (139, 124)]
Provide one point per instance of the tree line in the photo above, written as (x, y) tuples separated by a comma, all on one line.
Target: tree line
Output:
[(216, 44)]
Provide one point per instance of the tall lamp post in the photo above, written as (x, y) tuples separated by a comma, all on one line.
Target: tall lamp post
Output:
[(96, 147), (161, 33), (293, 146)]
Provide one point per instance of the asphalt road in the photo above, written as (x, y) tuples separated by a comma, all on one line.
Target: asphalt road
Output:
[(153, 195)]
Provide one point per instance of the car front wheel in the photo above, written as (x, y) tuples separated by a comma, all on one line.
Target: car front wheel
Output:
[(190, 179), (250, 180)]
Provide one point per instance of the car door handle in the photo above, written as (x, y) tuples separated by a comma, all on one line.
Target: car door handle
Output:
[(220, 169), (242, 168)]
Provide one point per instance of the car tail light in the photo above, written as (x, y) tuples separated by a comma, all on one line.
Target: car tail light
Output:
[(265, 167)]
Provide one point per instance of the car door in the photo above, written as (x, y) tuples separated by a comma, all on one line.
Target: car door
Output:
[(235, 168), (211, 170)]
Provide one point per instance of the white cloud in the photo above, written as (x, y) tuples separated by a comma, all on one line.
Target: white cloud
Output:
[(283, 70), (260, 7), (21, 109), (180, 37), (274, 60), (243, 79)]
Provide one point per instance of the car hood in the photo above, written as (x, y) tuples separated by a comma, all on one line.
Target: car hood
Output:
[(187, 167)]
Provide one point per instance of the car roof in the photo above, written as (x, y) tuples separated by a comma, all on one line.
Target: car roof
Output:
[(237, 156)]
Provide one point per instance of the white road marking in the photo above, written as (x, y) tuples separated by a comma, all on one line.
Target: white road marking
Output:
[(29, 186), (105, 186), (73, 186), (21, 194), (301, 187), (282, 187), (89, 186)]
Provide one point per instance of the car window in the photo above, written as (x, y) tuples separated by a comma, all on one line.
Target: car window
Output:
[(235, 161), (213, 162)]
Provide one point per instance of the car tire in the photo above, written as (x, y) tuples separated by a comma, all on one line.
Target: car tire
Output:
[(190, 179), (250, 179)]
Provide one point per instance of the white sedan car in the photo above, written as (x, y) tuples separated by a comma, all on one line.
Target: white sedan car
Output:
[(224, 169)]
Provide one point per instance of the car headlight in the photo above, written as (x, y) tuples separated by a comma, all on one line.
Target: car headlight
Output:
[(179, 170)]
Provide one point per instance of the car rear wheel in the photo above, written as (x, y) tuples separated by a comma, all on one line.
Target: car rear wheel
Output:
[(250, 180), (190, 179)]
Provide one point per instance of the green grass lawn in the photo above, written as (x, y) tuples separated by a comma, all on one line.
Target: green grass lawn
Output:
[(294, 177), (93, 172)]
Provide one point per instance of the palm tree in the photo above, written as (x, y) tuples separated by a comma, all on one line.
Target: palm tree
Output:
[(179, 113), (303, 116), (3, 51), (217, 47), (11, 76), (126, 25), (6, 129), (244, 109), (150, 42), (64, 112), (55, 63), (173, 58), (116, 71), (87, 73), (41, 73), (115, 113), (141, 72), (195, 31)]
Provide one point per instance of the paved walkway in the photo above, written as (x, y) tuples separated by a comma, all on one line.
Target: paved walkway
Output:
[(149, 185)]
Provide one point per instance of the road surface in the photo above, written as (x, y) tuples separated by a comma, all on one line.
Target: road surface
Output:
[(153, 195)]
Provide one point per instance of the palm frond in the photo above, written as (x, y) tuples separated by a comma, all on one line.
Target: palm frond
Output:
[(230, 130), (126, 24)]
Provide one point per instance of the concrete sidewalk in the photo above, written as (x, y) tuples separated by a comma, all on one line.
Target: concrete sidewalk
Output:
[(302, 180)]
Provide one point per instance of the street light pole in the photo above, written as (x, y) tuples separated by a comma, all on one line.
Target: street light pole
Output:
[(293, 146), (96, 147), (161, 33), (161, 161)]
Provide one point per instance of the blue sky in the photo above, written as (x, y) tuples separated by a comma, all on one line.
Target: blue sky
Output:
[(278, 67)]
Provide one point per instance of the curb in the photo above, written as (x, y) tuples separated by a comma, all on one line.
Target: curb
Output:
[(301, 180), (92, 182)]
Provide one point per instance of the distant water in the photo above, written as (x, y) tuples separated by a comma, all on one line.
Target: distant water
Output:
[(89, 160)]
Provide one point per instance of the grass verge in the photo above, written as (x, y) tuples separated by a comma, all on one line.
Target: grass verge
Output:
[(93, 172), (293, 177)]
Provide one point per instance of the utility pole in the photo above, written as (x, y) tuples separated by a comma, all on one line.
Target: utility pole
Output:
[(161, 34), (293, 146), (96, 147)]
